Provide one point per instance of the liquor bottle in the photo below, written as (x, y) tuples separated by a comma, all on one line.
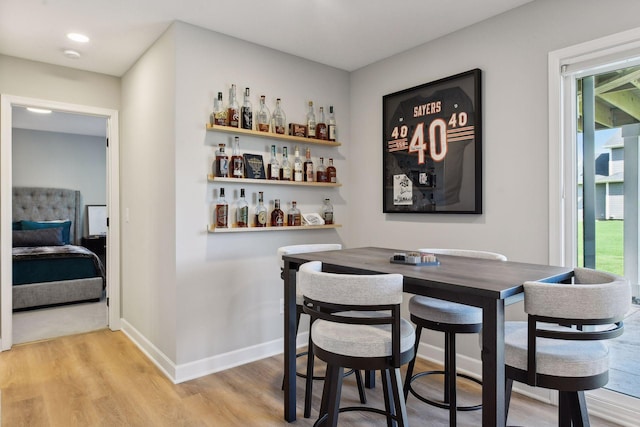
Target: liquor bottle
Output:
[(294, 218), (308, 167), (327, 212), (298, 168), (279, 119), (263, 117), (247, 111), (242, 211), (321, 173), (277, 216), (311, 122), (219, 112), (261, 212), (233, 112), (285, 168), (273, 168), (321, 126), (237, 161), (222, 211), (331, 172), (221, 164), (332, 124)]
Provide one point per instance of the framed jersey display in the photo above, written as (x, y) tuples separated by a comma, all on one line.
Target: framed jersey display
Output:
[(432, 147)]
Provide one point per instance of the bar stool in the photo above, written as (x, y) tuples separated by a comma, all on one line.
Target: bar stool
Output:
[(451, 318), (309, 377)]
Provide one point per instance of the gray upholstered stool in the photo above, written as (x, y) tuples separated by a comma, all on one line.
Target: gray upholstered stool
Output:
[(450, 318)]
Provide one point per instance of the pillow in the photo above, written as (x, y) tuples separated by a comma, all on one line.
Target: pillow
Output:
[(39, 237), (64, 224), (16, 225)]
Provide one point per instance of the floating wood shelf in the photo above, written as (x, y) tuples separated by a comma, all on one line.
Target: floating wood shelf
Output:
[(269, 135)]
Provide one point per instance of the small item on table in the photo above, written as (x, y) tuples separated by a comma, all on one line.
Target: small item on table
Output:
[(399, 256), (427, 257)]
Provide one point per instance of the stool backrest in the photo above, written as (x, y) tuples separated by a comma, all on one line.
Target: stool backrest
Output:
[(465, 252)]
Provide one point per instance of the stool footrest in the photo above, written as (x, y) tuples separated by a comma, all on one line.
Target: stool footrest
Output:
[(442, 405)]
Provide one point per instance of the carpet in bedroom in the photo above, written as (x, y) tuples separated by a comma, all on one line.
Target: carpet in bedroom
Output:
[(55, 322)]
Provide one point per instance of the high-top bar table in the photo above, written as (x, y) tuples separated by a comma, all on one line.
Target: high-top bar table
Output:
[(487, 284)]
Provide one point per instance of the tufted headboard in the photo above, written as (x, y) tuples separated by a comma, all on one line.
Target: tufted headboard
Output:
[(48, 204)]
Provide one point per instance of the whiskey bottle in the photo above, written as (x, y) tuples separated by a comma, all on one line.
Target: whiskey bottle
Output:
[(311, 122), (294, 218), (285, 168), (321, 126), (327, 212), (321, 173), (273, 168), (233, 112), (247, 111), (331, 172), (279, 119), (242, 211), (261, 212), (298, 168), (332, 124), (219, 112), (237, 161), (263, 117), (308, 167), (277, 216), (221, 164), (222, 211)]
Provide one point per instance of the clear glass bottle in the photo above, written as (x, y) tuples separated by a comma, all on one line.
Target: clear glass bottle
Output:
[(233, 111), (311, 122), (279, 119), (237, 161), (277, 216), (222, 211), (221, 164), (261, 212), (331, 172), (263, 117), (242, 211), (294, 217), (273, 168), (321, 126), (321, 172), (285, 168), (308, 167), (219, 112), (298, 168), (327, 212), (247, 111), (332, 125)]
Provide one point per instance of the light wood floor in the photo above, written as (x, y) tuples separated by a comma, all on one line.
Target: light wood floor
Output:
[(102, 379)]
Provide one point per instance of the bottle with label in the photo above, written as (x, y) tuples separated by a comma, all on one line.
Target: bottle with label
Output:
[(277, 216), (242, 211), (263, 117), (331, 172), (308, 167), (311, 122), (261, 212), (321, 173), (222, 211), (219, 112), (332, 125), (233, 112), (327, 212), (247, 111), (237, 161), (321, 127), (294, 218), (285, 168), (221, 164), (279, 119), (273, 168), (298, 168)]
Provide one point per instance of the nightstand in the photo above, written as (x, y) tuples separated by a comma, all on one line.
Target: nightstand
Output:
[(98, 245)]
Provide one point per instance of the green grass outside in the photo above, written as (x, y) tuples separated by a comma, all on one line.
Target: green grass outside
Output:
[(609, 246)]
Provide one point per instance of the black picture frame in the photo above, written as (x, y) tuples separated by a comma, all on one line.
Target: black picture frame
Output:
[(254, 166), (432, 147)]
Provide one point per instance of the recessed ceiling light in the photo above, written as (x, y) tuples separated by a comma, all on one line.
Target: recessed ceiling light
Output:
[(77, 37), (39, 110), (72, 54)]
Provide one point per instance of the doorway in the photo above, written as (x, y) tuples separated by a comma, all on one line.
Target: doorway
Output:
[(7, 103)]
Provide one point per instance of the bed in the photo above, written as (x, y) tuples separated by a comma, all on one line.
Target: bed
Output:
[(49, 266)]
